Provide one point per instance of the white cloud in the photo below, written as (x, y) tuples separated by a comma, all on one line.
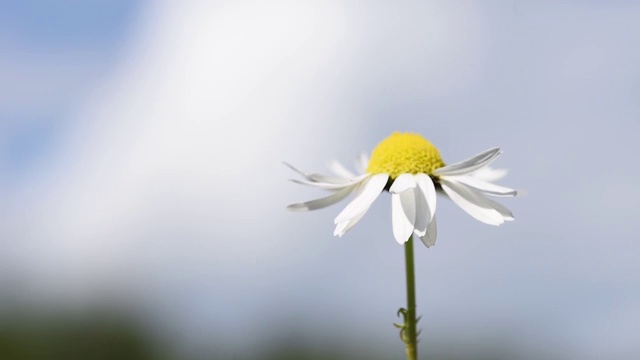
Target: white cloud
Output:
[(189, 135), (173, 179)]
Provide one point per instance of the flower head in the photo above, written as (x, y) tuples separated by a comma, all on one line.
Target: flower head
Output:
[(411, 169)]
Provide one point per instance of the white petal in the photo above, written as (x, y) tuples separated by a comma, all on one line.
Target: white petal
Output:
[(371, 189), (423, 214), (403, 214), (330, 186), (486, 187), (340, 170), (318, 177), (402, 183), (429, 239), (472, 202), (345, 226), (362, 163), (507, 215), (322, 202), (429, 190), (489, 174), (464, 167)]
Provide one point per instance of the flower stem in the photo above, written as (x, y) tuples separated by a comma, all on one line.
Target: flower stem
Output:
[(411, 339)]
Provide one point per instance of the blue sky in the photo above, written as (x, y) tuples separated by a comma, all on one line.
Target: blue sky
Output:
[(143, 145), (45, 26), (53, 55)]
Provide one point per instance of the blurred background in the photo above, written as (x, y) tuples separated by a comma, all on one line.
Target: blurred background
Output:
[(142, 191)]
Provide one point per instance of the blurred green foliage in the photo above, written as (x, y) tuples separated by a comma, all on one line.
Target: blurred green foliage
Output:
[(108, 335), (99, 337)]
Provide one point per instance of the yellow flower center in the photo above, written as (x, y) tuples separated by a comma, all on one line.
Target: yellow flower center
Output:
[(404, 153)]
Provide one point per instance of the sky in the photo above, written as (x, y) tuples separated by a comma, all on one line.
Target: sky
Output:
[(141, 150)]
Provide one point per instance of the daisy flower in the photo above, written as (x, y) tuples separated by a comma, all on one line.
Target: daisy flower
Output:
[(410, 168)]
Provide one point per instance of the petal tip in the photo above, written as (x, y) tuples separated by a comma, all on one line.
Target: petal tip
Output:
[(428, 242), (297, 207)]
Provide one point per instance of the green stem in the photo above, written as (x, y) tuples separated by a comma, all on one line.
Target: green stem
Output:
[(410, 322)]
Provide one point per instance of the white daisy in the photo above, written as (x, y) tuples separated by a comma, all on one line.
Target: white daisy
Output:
[(411, 169)]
